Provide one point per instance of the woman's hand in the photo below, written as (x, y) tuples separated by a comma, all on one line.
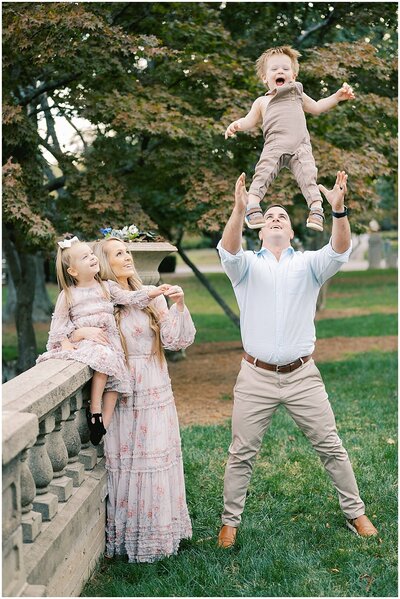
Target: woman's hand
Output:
[(162, 289), (91, 333), (175, 293)]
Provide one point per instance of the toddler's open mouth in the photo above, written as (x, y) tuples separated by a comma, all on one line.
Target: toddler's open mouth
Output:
[(280, 81)]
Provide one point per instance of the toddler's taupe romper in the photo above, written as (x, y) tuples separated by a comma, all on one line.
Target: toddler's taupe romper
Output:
[(286, 144)]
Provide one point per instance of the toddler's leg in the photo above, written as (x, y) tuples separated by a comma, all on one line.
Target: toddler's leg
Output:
[(303, 167), (266, 170), (109, 401)]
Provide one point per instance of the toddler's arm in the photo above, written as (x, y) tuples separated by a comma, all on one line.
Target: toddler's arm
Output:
[(248, 122), (325, 104), (61, 325), (140, 298)]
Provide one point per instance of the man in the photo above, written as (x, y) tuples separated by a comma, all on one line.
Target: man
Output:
[(276, 290)]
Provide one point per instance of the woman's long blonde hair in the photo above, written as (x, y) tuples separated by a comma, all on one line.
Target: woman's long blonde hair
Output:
[(135, 283), (64, 279)]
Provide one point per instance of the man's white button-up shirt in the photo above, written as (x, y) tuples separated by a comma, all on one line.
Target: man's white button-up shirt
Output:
[(277, 298)]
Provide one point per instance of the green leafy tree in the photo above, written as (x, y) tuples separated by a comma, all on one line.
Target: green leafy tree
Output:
[(159, 82)]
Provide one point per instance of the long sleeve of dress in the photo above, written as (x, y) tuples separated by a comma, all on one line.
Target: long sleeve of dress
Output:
[(176, 328), (140, 299), (61, 325)]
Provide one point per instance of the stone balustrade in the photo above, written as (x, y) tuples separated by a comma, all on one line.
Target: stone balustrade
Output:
[(54, 483)]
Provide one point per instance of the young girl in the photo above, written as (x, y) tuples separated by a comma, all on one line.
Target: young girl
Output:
[(87, 301)]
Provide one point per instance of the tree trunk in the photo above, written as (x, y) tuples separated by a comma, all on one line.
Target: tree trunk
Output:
[(42, 306), (9, 309), (22, 269), (27, 349), (234, 318)]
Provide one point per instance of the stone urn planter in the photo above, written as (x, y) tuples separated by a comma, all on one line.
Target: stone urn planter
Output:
[(147, 256)]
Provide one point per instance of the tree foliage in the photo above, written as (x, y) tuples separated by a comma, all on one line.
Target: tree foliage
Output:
[(158, 82)]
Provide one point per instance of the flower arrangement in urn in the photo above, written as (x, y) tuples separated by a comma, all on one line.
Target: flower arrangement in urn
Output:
[(147, 255), (131, 233)]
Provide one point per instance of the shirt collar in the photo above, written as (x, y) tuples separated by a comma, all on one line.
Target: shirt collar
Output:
[(271, 91), (288, 250)]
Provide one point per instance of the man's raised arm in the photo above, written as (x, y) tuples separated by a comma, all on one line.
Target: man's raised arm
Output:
[(232, 236), (341, 234)]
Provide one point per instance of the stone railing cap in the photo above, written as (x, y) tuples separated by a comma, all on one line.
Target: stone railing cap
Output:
[(19, 430), (43, 387), (151, 246)]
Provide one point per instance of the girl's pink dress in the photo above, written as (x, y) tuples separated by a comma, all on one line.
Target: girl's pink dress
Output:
[(91, 309), (147, 515)]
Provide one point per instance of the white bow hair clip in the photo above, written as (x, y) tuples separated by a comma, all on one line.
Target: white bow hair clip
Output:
[(67, 242)]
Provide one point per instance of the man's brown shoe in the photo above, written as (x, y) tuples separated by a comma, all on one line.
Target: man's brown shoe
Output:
[(362, 526), (227, 536)]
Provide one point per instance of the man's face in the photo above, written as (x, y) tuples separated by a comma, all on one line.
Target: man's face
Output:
[(278, 227), (279, 71)]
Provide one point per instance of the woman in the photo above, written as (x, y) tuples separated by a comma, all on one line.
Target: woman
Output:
[(147, 515)]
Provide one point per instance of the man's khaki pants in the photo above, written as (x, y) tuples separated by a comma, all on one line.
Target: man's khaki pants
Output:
[(257, 394)]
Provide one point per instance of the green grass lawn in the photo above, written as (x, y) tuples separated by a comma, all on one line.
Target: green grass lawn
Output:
[(292, 541)]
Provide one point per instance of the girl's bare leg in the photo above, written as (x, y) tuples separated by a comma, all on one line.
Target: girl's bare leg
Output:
[(98, 383), (109, 401)]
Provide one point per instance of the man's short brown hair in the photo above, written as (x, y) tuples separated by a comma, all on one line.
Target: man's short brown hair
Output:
[(276, 206), (261, 63)]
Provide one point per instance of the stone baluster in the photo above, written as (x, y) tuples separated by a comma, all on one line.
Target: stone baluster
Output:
[(61, 485), (18, 434), (31, 520), (42, 471), (88, 453), (75, 469)]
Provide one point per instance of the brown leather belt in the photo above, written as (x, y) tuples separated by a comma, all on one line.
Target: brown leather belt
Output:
[(274, 367)]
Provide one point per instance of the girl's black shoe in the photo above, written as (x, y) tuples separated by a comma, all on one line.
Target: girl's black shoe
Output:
[(96, 428)]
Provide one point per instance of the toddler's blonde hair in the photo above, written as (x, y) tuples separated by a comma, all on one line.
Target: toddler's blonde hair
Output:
[(135, 283), (261, 63)]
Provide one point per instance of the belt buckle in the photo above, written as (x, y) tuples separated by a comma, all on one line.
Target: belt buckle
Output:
[(277, 367)]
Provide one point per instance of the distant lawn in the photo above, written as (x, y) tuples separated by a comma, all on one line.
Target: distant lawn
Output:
[(378, 325), (362, 289), (292, 541)]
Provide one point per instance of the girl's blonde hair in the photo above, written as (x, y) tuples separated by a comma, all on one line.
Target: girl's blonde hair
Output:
[(135, 283), (261, 63), (64, 279)]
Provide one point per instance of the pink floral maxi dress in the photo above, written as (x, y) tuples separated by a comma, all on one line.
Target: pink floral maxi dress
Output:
[(90, 308), (147, 515)]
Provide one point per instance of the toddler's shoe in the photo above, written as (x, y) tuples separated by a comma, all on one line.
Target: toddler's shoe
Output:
[(254, 218), (316, 219), (96, 428)]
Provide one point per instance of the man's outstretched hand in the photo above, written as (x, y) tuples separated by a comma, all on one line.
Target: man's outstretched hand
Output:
[(241, 195), (336, 195)]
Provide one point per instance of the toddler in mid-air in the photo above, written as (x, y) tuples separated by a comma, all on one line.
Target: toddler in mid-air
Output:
[(280, 113)]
